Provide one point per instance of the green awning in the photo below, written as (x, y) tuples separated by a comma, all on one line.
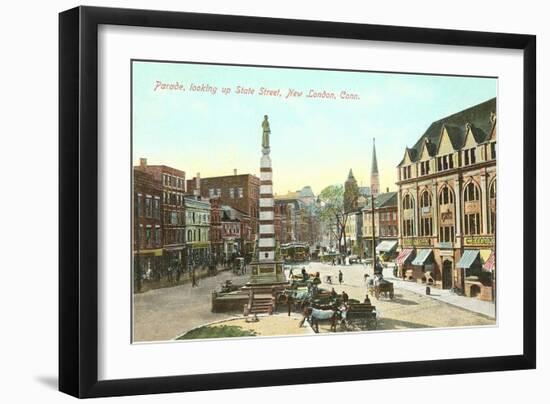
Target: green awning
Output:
[(421, 256), (468, 258), (386, 246)]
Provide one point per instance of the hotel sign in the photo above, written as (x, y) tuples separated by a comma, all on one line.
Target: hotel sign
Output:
[(479, 241)]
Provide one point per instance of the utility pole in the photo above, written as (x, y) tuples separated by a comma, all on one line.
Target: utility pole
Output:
[(373, 234)]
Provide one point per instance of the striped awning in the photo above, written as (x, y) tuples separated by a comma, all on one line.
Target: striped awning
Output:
[(403, 256), (421, 256), (490, 262), (386, 246), (468, 258)]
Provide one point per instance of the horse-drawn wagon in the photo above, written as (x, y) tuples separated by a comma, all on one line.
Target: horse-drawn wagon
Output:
[(363, 315), (378, 287)]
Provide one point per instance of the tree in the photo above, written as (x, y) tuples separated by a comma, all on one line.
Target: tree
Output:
[(332, 214)]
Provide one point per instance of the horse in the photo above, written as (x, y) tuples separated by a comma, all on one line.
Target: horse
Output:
[(315, 316)]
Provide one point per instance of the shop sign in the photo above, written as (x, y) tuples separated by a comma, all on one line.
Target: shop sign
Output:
[(417, 242), (479, 241)]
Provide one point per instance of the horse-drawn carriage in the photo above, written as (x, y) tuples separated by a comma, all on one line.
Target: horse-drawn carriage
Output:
[(363, 315), (380, 286), (344, 317)]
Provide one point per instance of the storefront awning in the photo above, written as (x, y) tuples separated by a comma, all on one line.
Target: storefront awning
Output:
[(403, 256), (468, 258), (386, 246), (421, 256), (490, 263)]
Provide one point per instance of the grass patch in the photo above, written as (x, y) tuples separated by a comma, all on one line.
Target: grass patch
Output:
[(224, 331)]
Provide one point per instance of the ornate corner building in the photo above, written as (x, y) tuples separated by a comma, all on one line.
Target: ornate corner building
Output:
[(447, 203)]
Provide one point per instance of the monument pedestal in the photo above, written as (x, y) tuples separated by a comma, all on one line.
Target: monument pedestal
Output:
[(267, 272)]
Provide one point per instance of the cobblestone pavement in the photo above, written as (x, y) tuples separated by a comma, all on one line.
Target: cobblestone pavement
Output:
[(408, 309), (163, 314), (166, 313)]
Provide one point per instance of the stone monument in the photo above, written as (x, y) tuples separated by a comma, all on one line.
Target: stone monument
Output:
[(266, 265)]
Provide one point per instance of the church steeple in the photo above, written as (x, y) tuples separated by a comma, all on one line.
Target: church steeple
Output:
[(374, 180)]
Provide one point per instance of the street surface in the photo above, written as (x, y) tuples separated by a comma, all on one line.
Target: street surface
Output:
[(166, 313), (163, 314), (410, 308)]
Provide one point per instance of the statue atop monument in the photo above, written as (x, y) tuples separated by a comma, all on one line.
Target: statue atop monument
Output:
[(267, 131)]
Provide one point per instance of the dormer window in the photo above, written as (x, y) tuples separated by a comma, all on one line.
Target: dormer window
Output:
[(445, 162), (493, 150), (470, 156), (406, 172), (424, 167)]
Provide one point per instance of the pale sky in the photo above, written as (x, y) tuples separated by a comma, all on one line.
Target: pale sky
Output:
[(313, 141)]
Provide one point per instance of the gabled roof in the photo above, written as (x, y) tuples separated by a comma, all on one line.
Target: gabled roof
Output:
[(430, 147), (384, 200), (478, 117)]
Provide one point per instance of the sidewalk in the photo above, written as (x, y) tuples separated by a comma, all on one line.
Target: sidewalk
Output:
[(467, 303)]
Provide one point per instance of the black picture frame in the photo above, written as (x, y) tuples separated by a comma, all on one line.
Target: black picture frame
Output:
[(78, 200)]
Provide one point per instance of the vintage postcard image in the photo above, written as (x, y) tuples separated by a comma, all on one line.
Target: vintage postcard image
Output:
[(272, 201)]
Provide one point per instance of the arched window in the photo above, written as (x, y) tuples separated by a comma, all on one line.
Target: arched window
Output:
[(446, 215), (446, 196), (426, 214), (189, 236), (472, 209), (493, 206), (408, 216), (407, 202)]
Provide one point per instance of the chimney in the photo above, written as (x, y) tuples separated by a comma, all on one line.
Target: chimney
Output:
[(387, 189), (143, 162), (197, 191), (234, 171)]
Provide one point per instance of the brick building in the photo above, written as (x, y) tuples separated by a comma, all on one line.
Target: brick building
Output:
[(172, 182), (231, 223), (386, 224), (147, 226), (297, 219), (447, 203), (241, 192)]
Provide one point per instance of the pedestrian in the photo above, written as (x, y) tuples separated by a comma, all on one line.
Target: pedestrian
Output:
[(290, 302), (365, 277), (345, 296), (193, 278), (290, 273), (367, 300), (333, 294), (340, 277)]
